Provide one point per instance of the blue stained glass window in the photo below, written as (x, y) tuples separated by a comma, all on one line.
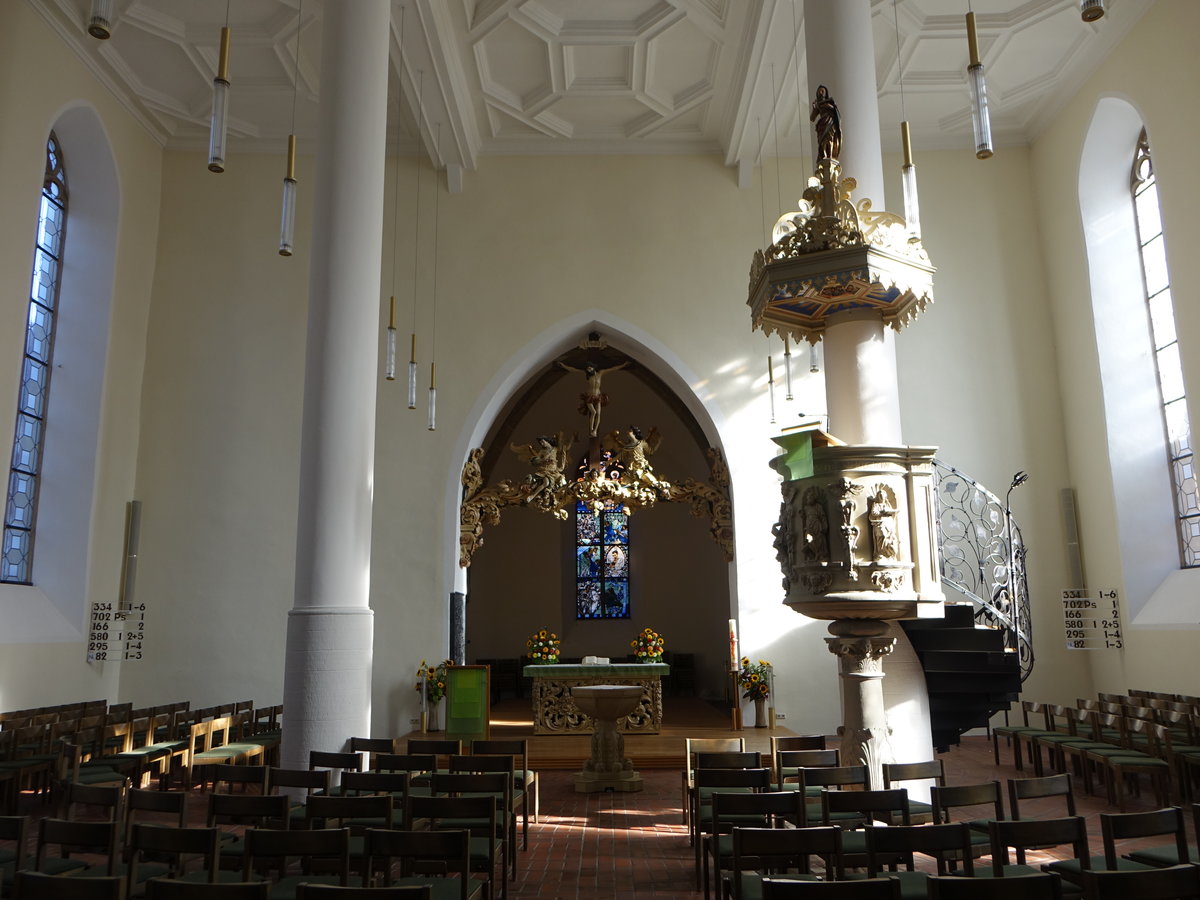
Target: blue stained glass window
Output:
[(601, 563), (20, 508)]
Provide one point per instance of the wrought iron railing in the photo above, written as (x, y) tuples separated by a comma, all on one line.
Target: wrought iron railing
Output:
[(983, 558)]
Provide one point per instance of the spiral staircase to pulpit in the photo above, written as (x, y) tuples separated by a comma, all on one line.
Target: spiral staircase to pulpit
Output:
[(975, 658)]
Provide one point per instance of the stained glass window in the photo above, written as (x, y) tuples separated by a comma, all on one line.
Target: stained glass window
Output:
[(601, 562), (1157, 285), (20, 508)]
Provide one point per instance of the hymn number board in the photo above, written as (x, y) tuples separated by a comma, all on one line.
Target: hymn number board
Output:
[(1092, 620), (116, 633)]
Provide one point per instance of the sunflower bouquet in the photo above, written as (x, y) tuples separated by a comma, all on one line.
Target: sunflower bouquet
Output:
[(542, 647), (648, 646), (755, 679), (433, 678)]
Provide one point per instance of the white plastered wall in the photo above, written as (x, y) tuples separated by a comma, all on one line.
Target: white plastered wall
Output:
[(109, 263)]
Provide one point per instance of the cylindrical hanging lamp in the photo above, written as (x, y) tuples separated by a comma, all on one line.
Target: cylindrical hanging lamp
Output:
[(219, 128), (389, 367), (287, 222), (771, 387), (100, 20), (412, 373), (908, 180), (814, 358), (432, 399), (1091, 10), (787, 368), (979, 103)]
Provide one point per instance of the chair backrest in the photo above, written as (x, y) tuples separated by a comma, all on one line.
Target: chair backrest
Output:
[(259, 810), (167, 807), (1040, 886), (1041, 788), (775, 809), (110, 799), (392, 783), (436, 809), (693, 746), (1149, 884), (38, 886), (798, 742), (915, 771), (1128, 826), (944, 799), (413, 763), (68, 836), (335, 759), (944, 843), (1023, 834), (834, 776), (867, 889), (752, 779), (514, 747), (274, 849), (157, 841), (438, 747), (170, 889), (771, 850), (372, 745), (437, 853), (311, 780), (875, 806), (226, 776), (337, 811), (730, 759), (807, 759), (481, 763)]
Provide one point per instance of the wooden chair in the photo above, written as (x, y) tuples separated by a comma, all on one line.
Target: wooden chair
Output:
[(1042, 788), (371, 746), (758, 853), (486, 848), (890, 846), (838, 777), (1161, 856), (336, 761), (109, 799), (708, 782), (226, 777), (769, 809), (1120, 771), (985, 797), (1038, 886), (1031, 834), (919, 812), (484, 765), (161, 807), (792, 742), (311, 781), (1013, 732), (150, 844), (93, 838), (788, 764), (236, 811), (441, 748), (14, 841), (167, 889), (1122, 827), (692, 747), (527, 780), (498, 785), (425, 859), (868, 889), (40, 886), (851, 809), (1149, 884), (323, 856)]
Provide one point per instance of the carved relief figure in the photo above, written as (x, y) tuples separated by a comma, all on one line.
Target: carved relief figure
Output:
[(828, 124), (845, 490), (548, 457), (631, 450), (816, 527), (591, 402), (882, 516)]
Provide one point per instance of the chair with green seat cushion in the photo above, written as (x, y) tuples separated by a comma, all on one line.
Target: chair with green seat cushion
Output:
[(706, 783), (824, 777), (1039, 834), (790, 743), (851, 810), (758, 853), (1120, 768), (1043, 788), (14, 839), (526, 778), (949, 845), (498, 786), (438, 859), (336, 761), (394, 784), (310, 781), (714, 760), (1123, 827), (1036, 886), (156, 851), (40, 886), (233, 812), (693, 747), (731, 811), (985, 797), (789, 763), (1170, 883), (93, 838), (1169, 854), (486, 849), (323, 855), (355, 812), (515, 801), (784, 888), (168, 889), (1011, 732), (919, 812)]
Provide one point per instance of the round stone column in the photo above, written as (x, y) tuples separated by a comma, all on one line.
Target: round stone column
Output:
[(327, 675), (860, 646)]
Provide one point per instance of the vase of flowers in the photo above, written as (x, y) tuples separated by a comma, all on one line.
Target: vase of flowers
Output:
[(542, 647), (755, 680), (432, 679), (648, 646)]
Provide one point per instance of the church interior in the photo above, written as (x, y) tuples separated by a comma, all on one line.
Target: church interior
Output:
[(302, 475)]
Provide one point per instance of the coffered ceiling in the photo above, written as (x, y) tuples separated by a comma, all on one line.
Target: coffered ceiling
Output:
[(486, 77)]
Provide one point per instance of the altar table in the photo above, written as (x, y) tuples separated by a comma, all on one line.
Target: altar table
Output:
[(555, 713)]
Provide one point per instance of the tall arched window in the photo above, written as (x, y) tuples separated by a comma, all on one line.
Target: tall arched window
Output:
[(20, 511), (601, 562), (1157, 286)]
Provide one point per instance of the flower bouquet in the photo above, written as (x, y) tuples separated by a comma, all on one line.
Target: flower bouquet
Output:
[(542, 647), (648, 646), (433, 679), (755, 679)]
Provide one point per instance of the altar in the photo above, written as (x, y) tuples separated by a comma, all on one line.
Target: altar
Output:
[(554, 712)]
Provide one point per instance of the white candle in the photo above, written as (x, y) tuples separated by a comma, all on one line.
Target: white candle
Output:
[(734, 659)]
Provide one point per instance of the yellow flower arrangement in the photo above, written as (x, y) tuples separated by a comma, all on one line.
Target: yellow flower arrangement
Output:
[(542, 647), (648, 646), (755, 679), (434, 679)]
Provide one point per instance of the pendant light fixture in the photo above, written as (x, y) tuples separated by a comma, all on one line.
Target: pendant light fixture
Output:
[(771, 386), (412, 353), (287, 217), (389, 354), (389, 364), (1091, 10), (908, 171), (100, 19), (787, 368), (219, 128), (980, 119), (437, 191), (814, 358)]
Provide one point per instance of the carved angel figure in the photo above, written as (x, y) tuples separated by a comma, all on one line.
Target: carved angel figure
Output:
[(816, 527), (882, 517), (631, 450), (548, 457)]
